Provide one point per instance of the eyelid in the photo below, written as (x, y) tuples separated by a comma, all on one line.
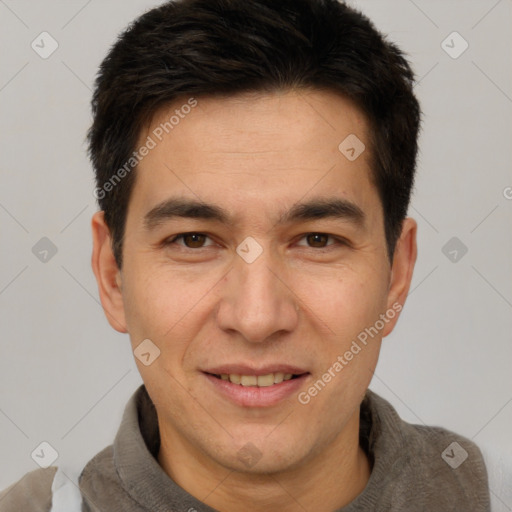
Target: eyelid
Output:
[(337, 240), (173, 240)]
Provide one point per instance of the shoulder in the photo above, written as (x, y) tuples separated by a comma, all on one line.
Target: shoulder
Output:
[(432, 463), (449, 465), (446, 451), (32, 493)]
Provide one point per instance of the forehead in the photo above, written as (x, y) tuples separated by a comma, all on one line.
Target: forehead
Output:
[(258, 122), (255, 149)]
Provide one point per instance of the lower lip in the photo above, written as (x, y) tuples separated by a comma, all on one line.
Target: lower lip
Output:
[(253, 396)]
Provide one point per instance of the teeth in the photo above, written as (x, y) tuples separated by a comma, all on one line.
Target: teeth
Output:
[(265, 380), (248, 380), (278, 377), (259, 381)]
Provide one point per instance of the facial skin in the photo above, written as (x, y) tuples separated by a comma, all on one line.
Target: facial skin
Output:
[(302, 301)]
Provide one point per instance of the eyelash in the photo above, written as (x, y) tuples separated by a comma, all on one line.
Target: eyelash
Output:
[(180, 236)]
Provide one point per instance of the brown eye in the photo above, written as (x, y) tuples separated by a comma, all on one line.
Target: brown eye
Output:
[(194, 240), (322, 241), (317, 239), (189, 240)]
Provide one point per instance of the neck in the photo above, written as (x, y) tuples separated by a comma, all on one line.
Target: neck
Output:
[(332, 477)]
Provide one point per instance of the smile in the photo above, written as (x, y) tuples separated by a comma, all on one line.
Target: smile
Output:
[(260, 381), (264, 390)]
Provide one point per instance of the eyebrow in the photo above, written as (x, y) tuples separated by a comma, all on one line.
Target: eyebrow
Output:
[(184, 208), (321, 208)]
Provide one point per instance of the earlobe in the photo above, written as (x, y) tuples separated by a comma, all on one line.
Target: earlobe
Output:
[(108, 275), (402, 269)]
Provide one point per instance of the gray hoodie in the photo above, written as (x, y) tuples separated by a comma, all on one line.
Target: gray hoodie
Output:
[(414, 468)]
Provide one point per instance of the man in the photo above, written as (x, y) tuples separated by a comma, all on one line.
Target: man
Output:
[(254, 162)]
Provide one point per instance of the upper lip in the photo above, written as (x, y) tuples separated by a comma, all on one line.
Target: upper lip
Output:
[(243, 369)]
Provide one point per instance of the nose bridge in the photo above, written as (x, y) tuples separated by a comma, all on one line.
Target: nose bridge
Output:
[(256, 303), (258, 286)]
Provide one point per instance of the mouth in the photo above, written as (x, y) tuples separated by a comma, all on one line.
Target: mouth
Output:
[(248, 387), (260, 381)]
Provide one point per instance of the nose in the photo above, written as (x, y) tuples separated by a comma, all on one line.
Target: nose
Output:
[(257, 301)]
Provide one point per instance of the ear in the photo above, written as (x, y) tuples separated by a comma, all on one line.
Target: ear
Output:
[(108, 275), (402, 268)]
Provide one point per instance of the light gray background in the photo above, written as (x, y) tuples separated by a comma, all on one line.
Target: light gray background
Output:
[(66, 375)]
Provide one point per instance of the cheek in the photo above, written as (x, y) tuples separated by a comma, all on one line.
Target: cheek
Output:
[(344, 309), (344, 302), (159, 308), (166, 305), (150, 301)]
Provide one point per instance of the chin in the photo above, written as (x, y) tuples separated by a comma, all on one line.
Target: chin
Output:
[(260, 458)]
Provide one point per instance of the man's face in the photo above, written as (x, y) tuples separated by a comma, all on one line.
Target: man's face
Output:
[(264, 291)]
